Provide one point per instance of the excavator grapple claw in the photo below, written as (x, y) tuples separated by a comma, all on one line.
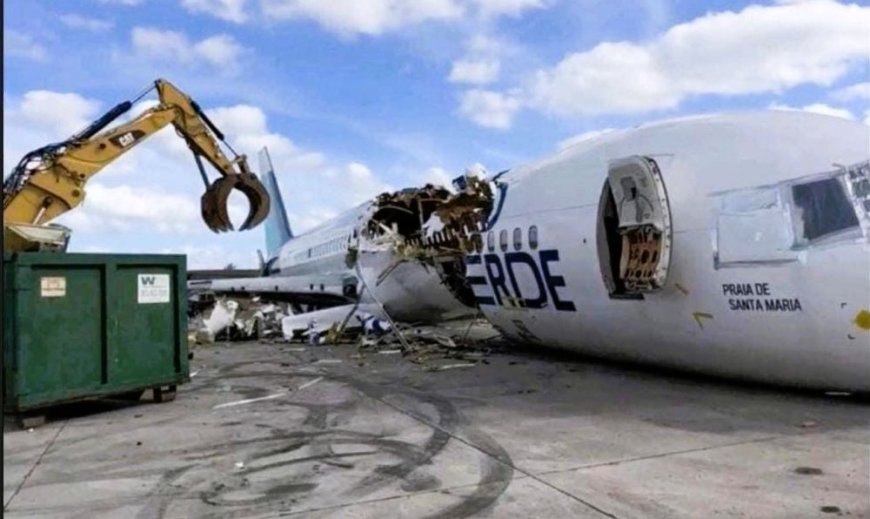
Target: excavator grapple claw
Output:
[(214, 202), (258, 199)]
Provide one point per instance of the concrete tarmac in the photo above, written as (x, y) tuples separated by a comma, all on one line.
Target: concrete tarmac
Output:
[(283, 430)]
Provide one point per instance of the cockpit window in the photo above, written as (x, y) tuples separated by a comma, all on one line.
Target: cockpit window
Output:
[(821, 209)]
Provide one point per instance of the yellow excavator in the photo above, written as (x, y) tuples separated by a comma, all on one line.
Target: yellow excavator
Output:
[(50, 181)]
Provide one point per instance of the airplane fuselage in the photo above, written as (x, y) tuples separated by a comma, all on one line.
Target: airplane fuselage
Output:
[(317, 262), (755, 285)]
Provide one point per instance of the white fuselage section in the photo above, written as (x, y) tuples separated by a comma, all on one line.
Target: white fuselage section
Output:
[(750, 291), (317, 261)]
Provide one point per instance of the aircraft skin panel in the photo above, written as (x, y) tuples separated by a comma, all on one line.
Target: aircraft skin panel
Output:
[(746, 148), (700, 331), (411, 292), (790, 322)]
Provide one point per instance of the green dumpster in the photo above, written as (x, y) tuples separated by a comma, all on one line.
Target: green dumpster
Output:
[(86, 325)]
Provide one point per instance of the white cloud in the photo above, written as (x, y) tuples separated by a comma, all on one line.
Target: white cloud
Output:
[(816, 108), (357, 182), (57, 113), (125, 207), (156, 43), (229, 10), (22, 45), (507, 7), (75, 21), (363, 183), (581, 137), (310, 218), (488, 108), (221, 51), (438, 177), (122, 2), (246, 129), (476, 72), (476, 170), (372, 17), (857, 91), (485, 45), (759, 49)]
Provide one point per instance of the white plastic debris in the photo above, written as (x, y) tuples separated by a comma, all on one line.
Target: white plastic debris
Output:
[(433, 225), (249, 401), (222, 316)]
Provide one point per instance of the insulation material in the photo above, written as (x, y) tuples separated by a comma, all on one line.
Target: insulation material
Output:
[(231, 319), (425, 223), (221, 317), (432, 227)]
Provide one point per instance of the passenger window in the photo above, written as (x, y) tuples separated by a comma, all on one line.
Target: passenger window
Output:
[(518, 239), (478, 241), (490, 241), (533, 237), (821, 209), (503, 240)]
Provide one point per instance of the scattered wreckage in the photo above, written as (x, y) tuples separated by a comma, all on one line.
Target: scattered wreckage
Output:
[(406, 238), (428, 229), (252, 319), (459, 344)]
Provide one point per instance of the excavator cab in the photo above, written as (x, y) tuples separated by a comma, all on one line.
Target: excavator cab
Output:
[(49, 181)]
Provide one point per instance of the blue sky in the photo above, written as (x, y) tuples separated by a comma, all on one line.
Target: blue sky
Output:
[(355, 97)]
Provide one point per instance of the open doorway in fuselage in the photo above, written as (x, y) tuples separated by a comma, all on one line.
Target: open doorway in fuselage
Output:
[(634, 229)]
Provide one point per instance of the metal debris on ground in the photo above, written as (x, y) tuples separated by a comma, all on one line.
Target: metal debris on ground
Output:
[(236, 319), (244, 319), (436, 348), (433, 347), (451, 366)]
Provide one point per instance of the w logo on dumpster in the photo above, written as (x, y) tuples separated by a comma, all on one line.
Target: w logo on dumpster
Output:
[(153, 288)]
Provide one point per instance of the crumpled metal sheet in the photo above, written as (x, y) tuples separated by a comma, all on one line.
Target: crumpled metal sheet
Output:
[(312, 326)]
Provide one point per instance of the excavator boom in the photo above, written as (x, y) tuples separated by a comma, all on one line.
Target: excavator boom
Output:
[(50, 181)]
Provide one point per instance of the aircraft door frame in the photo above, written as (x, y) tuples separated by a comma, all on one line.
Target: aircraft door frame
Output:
[(635, 232)]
